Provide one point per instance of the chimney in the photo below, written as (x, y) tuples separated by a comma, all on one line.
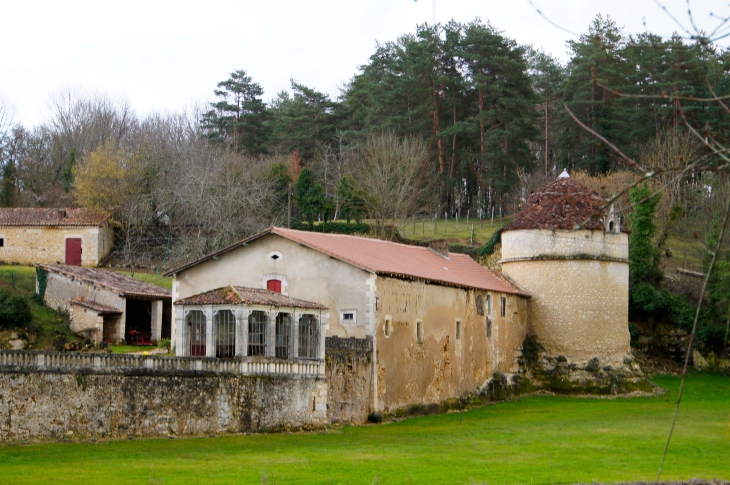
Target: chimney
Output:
[(439, 247), (61, 213)]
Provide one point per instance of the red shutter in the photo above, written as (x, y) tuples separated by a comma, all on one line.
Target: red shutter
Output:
[(274, 285), (73, 251)]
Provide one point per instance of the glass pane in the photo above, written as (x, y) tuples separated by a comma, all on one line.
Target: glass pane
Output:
[(225, 334), (257, 323)]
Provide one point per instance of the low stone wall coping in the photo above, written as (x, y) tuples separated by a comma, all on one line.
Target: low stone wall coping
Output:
[(25, 361)]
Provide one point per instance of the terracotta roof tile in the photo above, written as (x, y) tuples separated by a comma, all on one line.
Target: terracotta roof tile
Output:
[(389, 258), (238, 295), (564, 203), (97, 307), (122, 284), (40, 216)]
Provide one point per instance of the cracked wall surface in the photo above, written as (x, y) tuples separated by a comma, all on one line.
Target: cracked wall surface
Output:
[(442, 366)]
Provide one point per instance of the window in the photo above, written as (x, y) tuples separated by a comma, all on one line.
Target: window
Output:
[(489, 304), (225, 334), (308, 337), (283, 335), (480, 304), (196, 333), (257, 323), (275, 256), (388, 327), (503, 306), (458, 330), (419, 331), (489, 327), (348, 316), (274, 285)]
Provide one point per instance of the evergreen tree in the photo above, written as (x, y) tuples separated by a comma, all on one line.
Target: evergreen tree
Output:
[(310, 196), (238, 119), (67, 175)]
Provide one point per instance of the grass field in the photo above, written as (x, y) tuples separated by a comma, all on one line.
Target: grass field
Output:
[(536, 440), (426, 229)]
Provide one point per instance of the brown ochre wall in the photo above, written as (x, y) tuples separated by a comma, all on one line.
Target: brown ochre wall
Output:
[(349, 379), (440, 366), (31, 245)]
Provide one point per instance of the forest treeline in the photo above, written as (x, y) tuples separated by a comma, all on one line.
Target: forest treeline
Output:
[(451, 119)]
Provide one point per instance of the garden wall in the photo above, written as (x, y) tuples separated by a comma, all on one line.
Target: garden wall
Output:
[(349, 378), (54, 402)]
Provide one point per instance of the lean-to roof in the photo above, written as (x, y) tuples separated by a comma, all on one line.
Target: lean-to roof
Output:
[(238, 295), (122, 284), (97, 307)]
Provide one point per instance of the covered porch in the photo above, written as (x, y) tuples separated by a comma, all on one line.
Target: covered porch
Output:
[(236, 322)]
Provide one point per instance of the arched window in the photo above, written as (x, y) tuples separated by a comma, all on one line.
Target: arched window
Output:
[(308, 337), (258, 321), (283, 335), (196, 333), (224, 325)]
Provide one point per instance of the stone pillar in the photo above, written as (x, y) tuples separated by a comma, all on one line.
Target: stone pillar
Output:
[(271, 335), (179, 332), (156, 321), (241, 315), (295, 334), (121, 328), (209, 342)]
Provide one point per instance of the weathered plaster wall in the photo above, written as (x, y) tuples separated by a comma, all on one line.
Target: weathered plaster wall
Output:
[(30, 245), (349, 379), (531, 243), (306, 274), (88, 321), (442, 366), (53, 406), (578, 309)]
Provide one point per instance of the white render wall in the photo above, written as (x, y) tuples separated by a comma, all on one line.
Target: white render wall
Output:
[(306, 274), (529, 243)]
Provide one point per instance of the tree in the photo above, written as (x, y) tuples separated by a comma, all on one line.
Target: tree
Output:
[(642, 251), (238, 119), (310, 196)]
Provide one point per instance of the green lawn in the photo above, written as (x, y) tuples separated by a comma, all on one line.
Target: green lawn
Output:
[(425, 229), (534, 440), (155, 279)]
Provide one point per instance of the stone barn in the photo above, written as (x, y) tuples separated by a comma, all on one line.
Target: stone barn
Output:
[(75, 236), (434, 325), (106, 305), (572, 256)]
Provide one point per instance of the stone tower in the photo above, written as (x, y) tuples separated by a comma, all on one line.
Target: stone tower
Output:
[(572, 256)]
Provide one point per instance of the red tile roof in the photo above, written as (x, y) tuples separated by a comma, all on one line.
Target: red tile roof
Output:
[(97, 307), (122, 284), (41, 216), (389, 258), (238, 295), (564, 203)]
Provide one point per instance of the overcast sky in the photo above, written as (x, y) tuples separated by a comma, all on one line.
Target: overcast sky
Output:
[(165, 55)]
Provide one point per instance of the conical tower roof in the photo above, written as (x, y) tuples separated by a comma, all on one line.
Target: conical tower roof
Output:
[(562, 204)]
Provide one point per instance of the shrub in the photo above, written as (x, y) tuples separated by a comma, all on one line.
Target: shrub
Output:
[(14, 310), (165, 343)]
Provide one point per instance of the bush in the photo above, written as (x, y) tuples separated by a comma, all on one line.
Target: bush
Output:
[(336, 228), (14, 310), (165, 343)]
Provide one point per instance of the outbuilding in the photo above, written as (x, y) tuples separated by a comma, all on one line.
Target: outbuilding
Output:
[(73, 236), (106, 305)]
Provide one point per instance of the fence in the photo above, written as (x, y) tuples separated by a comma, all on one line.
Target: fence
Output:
[(95, 363)]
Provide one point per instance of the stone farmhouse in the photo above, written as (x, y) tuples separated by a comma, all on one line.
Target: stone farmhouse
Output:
[(439, 324), (106, 305), (74, 236)]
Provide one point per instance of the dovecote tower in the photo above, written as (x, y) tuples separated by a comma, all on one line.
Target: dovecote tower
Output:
[(572, 257)]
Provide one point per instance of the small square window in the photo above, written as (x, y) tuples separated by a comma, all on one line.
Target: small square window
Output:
[(419, 331), (503, 306), (348, 316)]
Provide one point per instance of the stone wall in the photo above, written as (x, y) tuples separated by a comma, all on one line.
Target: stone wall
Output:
[(438, 366), (87, 321), (31, 245), (546, 244), (52, 396), (349, 378), (578, 309)]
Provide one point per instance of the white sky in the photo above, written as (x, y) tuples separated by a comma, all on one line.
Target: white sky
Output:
[(165, 55)]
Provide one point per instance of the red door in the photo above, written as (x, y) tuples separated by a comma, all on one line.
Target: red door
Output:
[(73, 251), (274, 285)]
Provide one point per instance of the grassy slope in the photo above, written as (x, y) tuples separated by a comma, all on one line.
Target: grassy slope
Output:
[(155, 279), (424, 230), (534, 440)]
